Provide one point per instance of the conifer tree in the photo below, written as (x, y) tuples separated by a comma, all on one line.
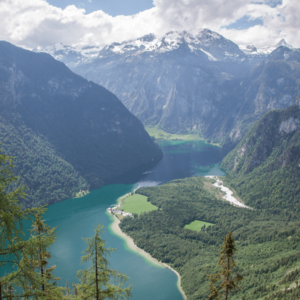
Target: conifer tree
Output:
[(99, 281), (42, 237), (13, 242), (227, 263), (20, 256)]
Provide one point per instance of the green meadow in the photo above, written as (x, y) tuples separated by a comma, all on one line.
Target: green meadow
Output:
[(137, 204), (161, 134), (197, 225)]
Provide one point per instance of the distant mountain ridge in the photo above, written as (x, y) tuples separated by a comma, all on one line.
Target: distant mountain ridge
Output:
[(66, 132), (252, 50), (204, 41), (185, 82)]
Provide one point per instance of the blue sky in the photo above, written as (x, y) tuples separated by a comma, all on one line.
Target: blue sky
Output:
[(244, 23), (131, 7), (111, 7)]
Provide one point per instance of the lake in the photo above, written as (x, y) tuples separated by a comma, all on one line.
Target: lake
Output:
[(76, 218)]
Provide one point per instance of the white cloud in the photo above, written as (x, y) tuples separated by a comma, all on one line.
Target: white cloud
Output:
[(33, 23)]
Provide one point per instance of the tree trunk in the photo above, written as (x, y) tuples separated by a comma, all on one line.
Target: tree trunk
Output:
[(97, 288), (227, 279), (42, 268)]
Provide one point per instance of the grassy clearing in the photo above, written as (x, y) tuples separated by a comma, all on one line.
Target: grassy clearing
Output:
[(161, 134), (197, 225), (137, 204)]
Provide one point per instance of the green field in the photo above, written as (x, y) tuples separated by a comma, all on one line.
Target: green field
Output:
[(197, 225), (137, 204), (160, 134)]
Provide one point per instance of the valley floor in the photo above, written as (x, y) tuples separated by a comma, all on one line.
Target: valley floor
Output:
[(160, 134)]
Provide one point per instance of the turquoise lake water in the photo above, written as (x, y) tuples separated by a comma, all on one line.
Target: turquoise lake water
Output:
[(76, 218)]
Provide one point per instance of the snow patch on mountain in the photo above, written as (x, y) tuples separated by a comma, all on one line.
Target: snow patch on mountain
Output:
[(210, 57), (252, 50), (203, 42)]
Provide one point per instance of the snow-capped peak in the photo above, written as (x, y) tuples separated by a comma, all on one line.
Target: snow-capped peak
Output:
[(205, 43), (265, 50), (282, 42), (54, 48), (72, 56)]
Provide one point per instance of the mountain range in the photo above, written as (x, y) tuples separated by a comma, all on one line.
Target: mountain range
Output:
[(183, 82), (67, 133)]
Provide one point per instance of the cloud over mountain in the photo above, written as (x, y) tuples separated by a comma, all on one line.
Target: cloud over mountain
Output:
[(35, 23)]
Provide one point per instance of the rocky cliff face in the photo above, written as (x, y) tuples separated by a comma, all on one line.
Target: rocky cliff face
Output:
[(183, 82), (82, 123), (275, 140), (273, 84), (264, 168)]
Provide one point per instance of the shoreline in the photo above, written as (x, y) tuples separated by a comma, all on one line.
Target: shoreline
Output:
[(160, 134), (114, 227)]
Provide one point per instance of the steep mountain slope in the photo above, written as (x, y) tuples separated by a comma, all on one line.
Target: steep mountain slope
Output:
[(273, 84), (180, 81), (48, 177), (183, 82), (62, 119), (264, 168)]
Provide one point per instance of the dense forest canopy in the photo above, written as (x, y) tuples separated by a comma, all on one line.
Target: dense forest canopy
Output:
[(263, 170), (264, 167)]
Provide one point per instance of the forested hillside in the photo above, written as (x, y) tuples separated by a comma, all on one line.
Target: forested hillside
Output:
[(264, 171), (267, 240), (48, 177), (265, 166), (68, 133)]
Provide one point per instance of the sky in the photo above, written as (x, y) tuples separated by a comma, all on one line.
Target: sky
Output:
[(111, 7), (39, 23)]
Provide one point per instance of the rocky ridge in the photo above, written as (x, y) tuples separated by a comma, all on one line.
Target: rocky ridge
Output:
[(200, 83)]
